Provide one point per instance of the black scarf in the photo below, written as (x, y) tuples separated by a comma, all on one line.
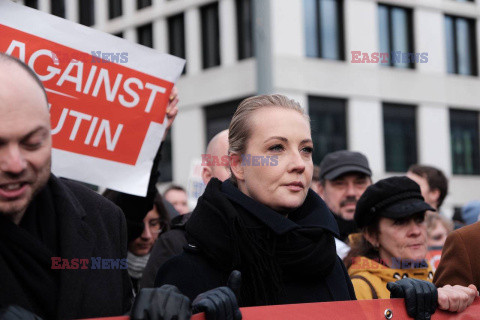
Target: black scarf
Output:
[(346, 227), (27, 278), (236, 232)]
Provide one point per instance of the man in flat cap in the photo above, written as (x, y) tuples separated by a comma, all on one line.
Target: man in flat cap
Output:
[(344, 176)]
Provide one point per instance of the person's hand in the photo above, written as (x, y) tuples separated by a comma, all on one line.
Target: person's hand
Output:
[(456, 298), (17, 313), (420, 296), (172, 110), (220, 303), (164, 303)]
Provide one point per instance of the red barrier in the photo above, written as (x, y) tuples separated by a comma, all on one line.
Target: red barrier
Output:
[(358, 310)]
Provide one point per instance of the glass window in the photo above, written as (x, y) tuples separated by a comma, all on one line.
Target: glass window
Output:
[(400, 136), (114, 8), (245, 29), (328, 123), (396, 36), (143, 4), (86, 11), (210, 35), (464, 135), (145, 35), (218, 116), (460, 38), (31, 3), (58, 8), (176, 36), (165, 166), (324, 29)]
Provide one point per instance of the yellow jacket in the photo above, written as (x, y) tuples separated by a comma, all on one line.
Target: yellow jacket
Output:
[(370, 278)]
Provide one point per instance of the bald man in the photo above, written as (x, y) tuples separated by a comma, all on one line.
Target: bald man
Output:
[(171, 243), (217, 147), (51, 228)]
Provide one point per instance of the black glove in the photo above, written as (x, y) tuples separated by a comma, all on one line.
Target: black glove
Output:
[(220, 303), (164, 303), (420, 296), (17, 313)]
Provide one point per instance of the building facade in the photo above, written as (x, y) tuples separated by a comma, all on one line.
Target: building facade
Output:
[(419, 104)]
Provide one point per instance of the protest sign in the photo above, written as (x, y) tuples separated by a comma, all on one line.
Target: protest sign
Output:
[(433, 256), (107, 96), (359, 310)]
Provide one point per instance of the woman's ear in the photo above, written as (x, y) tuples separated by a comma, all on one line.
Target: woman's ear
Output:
[(372, 238), (237, 167)]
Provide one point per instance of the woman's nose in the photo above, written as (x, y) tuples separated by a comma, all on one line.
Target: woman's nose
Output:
[(296, 162), (146, 234)]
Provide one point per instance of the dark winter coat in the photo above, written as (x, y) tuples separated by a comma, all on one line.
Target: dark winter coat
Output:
[(86, 225), (201, 267), (169, 244)]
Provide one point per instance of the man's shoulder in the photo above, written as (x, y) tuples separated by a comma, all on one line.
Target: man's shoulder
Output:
[(86, 199), (470, 232)]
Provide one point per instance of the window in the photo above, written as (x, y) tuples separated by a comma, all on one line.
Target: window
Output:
[(165, 166), (210, 35), (400, 137), (324, 29), (328, 123), (218, 116), (461, 45), (86, 11), (31, 3), (58, 8), (396, 36), (119, 34), (145, 35), (143, 4), (176, 36), (245, 29), (464, 134), (114, 8)]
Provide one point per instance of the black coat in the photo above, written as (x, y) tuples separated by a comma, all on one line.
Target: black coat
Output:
[(169, 244), (193, 274), (88, 226), (205, 265)]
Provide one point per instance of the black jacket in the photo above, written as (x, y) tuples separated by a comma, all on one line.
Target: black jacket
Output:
[(194, 271), (169, 244), (193, 274), (88, 226)]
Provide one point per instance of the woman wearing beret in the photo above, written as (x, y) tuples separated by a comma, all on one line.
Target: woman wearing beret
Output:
[(265, 221), (393, 243)]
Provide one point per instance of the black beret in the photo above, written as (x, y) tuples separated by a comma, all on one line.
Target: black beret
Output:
[(395, 197)]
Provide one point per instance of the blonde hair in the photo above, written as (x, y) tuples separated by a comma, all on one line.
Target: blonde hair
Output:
[(433, 219), (240, 131)]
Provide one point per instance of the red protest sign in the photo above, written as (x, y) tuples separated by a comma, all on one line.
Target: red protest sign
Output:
[(98, 108), (358, 310)]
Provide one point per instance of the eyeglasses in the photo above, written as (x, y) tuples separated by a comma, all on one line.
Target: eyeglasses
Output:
[(155, 226)]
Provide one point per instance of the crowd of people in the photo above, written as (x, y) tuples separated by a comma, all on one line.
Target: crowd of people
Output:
[(285, 233)]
